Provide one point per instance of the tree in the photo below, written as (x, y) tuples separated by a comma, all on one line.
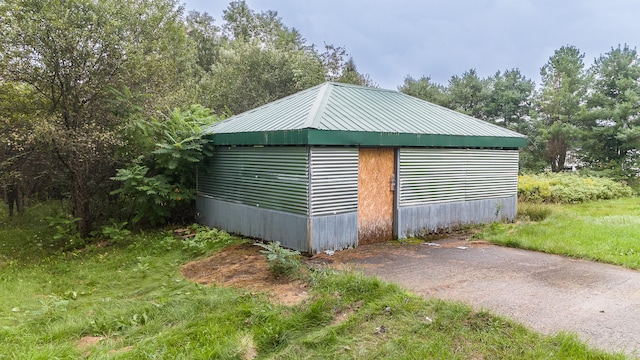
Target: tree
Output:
[(72, 53), (564, 85), (259, 60), (508, 100), (467, 93), (613, 121), (25, 167), (425, 89), (265, 28), (247, 76), (206, 37)]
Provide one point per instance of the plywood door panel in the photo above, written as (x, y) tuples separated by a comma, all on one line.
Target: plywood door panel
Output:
[(376, 168)]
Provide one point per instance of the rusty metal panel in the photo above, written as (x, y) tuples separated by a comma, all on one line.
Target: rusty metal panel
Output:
[(333, 180), (273, 178), (270, 225)]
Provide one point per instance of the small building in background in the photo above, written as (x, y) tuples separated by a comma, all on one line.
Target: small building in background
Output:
[(336, 166)]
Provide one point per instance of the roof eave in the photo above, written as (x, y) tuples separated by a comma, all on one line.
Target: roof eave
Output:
[(361, 138)]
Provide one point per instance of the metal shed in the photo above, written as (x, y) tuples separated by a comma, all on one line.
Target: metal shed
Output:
[(339, 165)]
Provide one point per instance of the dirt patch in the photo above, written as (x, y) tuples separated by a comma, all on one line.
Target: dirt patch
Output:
[(244, 266), (88, 341)]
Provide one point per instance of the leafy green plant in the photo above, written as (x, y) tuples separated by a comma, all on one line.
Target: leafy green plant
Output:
[(196, 240), (160, 184), (281, 261), (116, 231), (66, 231)]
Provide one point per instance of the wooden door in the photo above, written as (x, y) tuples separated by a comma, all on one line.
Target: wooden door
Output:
[(376, 173)]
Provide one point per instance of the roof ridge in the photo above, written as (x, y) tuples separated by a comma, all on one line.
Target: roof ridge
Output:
[(360, 86), (315, 113)]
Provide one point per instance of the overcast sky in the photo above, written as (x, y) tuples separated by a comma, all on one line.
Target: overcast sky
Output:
[(440, 38)]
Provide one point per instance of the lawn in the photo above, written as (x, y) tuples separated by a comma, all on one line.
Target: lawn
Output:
[(606, 231), (127, 299)]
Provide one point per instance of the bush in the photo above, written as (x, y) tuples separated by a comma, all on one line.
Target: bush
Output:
[(533, 211), (568, 188)]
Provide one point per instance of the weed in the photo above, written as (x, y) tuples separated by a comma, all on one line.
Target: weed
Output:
[(198, 240), (498, 208), (281, 261)]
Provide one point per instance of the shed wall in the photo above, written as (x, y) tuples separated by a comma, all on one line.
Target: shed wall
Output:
[(334, 232), (441, 189), (333, 180)]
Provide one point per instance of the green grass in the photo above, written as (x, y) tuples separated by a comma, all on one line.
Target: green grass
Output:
[(605, 231), (133, 296)]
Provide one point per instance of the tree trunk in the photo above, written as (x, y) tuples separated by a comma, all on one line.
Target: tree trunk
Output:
[(557, 153), (80, 201), (12, 198)]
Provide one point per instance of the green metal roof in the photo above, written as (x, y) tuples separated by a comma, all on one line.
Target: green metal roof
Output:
[(340, 114)]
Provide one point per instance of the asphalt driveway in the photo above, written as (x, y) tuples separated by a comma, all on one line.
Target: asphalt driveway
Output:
[(548, 293)]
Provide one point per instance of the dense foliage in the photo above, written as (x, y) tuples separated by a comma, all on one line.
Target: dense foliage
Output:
[(569, 188), (88, 91)]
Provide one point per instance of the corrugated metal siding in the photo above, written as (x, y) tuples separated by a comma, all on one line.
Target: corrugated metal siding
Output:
[(334, 232), (271, 225), (334, 181), (274, 178), (447, 175), (422, 219)]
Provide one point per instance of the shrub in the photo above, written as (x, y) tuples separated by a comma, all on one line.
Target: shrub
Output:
[(568, 188)]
